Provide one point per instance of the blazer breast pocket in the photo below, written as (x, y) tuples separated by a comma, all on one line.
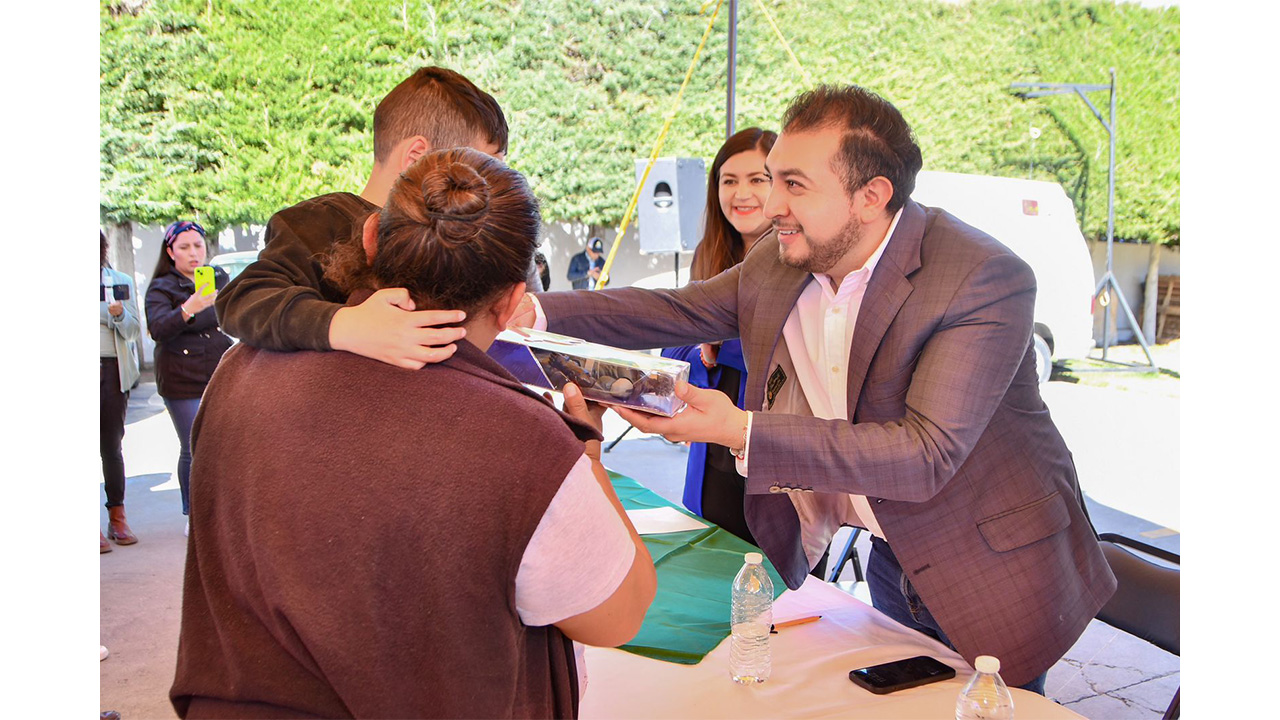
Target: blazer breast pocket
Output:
[(1024, 525)]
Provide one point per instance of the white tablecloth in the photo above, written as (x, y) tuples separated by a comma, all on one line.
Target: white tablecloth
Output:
[(810, 678)]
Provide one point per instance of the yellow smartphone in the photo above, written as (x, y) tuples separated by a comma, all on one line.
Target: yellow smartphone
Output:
[(204, 280)]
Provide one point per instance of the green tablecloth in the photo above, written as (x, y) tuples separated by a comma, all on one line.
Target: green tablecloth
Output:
[(690, 613)]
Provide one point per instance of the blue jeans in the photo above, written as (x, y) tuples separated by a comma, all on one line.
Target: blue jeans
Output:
[(893, 595), (183, 415)]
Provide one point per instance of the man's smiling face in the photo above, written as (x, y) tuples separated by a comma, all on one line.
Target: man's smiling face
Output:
[(815, 219)]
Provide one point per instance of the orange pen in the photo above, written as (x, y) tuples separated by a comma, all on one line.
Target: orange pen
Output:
[(792, 623)]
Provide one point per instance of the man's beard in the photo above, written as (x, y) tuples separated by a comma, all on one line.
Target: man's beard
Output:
[(824, 255)]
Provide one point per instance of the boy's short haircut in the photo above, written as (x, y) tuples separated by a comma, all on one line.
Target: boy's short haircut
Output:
[(442, 106)]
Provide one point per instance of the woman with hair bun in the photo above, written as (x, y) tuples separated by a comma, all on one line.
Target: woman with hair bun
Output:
[(444, 532)]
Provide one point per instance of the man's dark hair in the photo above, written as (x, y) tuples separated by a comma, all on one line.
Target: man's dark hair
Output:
[(442, 106), (877, 140)]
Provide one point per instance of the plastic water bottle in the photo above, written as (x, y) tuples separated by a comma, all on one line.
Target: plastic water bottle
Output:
[(985, 697), (752, 618)]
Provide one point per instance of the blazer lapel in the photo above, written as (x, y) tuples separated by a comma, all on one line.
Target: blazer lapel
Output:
[(761, 332), (886, 293)]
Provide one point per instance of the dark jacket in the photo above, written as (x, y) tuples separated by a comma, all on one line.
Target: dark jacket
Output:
[(282, 302), (187, 353), (579, 266)]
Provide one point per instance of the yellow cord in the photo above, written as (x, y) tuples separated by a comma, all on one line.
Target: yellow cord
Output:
[(786, 45), (603, 280)]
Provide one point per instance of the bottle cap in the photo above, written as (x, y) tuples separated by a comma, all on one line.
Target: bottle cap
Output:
[(987, 664), (753, 558)]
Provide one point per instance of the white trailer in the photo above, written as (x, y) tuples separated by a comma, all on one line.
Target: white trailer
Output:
[(1036, 220)]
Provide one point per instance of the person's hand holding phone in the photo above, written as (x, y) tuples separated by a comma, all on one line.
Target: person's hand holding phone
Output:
[(197, 303), (204, 279), (116, 308)]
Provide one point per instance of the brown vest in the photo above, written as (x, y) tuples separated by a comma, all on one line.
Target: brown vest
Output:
[(356, 530)]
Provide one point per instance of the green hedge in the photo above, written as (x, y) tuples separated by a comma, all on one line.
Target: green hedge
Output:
[(231, 110)]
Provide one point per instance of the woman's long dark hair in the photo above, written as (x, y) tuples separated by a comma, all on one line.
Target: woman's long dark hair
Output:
[(459, 228), (722, 246)]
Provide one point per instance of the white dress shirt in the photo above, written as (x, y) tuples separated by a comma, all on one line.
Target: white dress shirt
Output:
[(819, 334)]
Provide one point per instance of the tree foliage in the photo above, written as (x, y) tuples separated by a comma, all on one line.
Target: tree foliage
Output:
[(228, 110)]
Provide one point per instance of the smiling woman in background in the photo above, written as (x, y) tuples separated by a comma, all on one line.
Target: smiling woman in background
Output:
[(734, 220), (185, 327)]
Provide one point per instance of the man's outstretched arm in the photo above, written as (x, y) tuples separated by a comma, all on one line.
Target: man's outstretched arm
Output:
[(960, 378)]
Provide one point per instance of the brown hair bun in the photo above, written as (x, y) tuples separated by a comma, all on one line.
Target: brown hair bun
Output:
[(455, 191), (459, 228)]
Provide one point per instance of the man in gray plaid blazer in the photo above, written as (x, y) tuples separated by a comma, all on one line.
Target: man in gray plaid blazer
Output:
[(922, 422)]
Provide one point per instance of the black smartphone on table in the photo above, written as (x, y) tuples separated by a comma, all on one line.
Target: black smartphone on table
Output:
[(901, 674)]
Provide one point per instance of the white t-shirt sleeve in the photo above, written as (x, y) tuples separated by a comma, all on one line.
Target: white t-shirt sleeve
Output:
[(578, 555)]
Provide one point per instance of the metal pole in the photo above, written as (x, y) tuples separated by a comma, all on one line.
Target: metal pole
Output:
[(1111, 174), (1108, 284), (733, 66), (1111, 213), (1110, 278)]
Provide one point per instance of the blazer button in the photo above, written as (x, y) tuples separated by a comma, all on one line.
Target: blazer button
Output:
[(775, 489), (184, 352), (879, 500)]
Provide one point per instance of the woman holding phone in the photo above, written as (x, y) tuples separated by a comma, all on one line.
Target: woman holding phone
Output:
[(182, 321), (737, 186), (119, 330)]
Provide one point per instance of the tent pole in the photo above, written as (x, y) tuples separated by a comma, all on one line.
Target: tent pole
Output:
[(733, 66)]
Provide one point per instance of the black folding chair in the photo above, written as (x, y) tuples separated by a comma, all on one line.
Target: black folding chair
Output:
[(849, 554), (1146, 603)]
